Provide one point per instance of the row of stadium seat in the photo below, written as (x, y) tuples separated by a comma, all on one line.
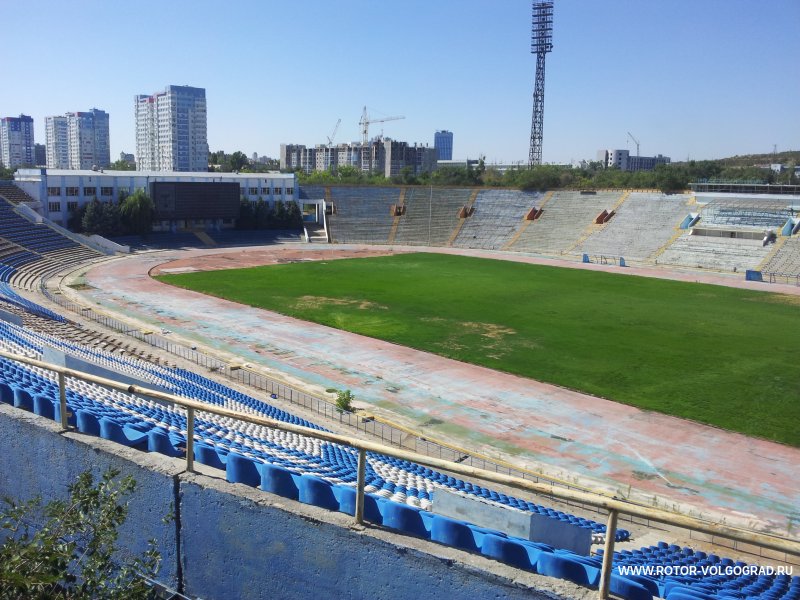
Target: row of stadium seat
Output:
[(725, 577)]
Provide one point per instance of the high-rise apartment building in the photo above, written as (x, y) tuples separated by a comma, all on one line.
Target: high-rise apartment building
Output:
[(89, 139), (443, 143), (16, 141), (56, 130), (78, 140), (171, 130), (39, 155)]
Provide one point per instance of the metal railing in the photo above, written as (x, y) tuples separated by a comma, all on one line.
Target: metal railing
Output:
[(787, 278), (613, 507)]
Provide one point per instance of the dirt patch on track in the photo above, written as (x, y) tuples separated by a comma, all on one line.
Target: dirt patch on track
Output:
[(240, 259)]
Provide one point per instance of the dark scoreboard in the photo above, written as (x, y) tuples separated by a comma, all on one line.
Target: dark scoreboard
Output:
[(196, 200)]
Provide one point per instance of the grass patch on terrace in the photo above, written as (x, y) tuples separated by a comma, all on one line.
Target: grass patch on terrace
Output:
[(723, 356)]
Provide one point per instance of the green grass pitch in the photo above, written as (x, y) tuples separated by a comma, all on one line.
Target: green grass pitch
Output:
[(723, 356)]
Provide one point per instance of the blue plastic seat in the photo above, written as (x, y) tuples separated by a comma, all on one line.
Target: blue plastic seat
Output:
[(22, 399), (43, 406), (567, 567), (508, 551), (402, 517), (316, 491), (87, 422), (453, 532), (240, 469), (277, 480)]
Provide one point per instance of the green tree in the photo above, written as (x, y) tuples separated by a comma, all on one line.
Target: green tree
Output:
[(68, 548), (246, 219), (110, 220), (262, 215), (294, 216), (122, 165), (279, 215), (344, 400), (75, 219), (136, 213), (238, 160), (92, 217)]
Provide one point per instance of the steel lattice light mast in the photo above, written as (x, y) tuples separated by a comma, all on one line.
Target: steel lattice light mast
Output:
[(541, 44)]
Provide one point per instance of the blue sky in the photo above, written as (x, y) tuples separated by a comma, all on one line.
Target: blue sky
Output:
[(689, 78)]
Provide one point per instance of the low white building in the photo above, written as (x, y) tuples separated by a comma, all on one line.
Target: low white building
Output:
[(622, 160), (184, 200)]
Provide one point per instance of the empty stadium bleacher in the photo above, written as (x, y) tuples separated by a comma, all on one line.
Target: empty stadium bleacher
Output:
[(713, 252), (745, 212), (643, 223), (786, 261), (565, 217), (431, 215), (32, 250), (497, 217), (362, 215)]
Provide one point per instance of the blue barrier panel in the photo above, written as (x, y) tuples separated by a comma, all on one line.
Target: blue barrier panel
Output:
[(751, 275), (586, 258), (622, 261)]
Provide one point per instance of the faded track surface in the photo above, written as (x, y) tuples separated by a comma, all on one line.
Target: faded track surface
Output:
[(567, 434)]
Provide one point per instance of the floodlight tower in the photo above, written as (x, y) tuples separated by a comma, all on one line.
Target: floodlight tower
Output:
[(541, 44)]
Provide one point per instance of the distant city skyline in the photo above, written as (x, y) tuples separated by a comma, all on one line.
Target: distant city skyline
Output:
[(695, 79)]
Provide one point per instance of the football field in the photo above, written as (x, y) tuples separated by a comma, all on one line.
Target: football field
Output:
[(723, 356)]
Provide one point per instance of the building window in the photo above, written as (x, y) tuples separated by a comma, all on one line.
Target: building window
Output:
[(106, 191), (54, 207), (123, 191), (278, 191), (54, 191), (72, 191), (265, 191), (290, 191), (253, 191), (72, 206), (89, 191)]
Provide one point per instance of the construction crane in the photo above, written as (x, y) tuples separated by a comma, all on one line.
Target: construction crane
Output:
[(365, 122), (333, 135), (635, 141)]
